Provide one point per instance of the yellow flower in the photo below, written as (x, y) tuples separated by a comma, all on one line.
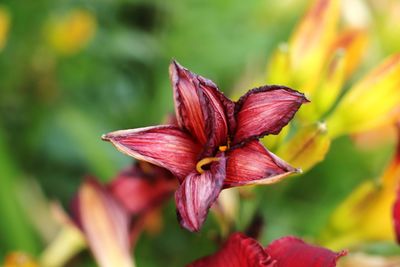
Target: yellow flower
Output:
[(70, 33), (307, 147), (370, 102), (19, 259), (366, 215), (4, 26), (318, 60)]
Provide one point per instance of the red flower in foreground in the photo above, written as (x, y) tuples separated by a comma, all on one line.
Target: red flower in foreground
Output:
[(216, 143), (242, 251)]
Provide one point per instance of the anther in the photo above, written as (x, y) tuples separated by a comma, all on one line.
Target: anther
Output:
[(223, 148)]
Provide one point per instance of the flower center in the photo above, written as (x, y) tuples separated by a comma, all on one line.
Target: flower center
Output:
[(203, 162)]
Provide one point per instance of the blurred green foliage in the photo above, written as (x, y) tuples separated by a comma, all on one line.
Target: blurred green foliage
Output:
[(55, 106)]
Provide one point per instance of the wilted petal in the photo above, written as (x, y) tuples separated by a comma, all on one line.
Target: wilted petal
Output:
[(369, 103), (142, 188), (293, 252), (307, 147), (197, 193), (200, 107), (166, 146), (253, 164), (265, 110), (105, 224), (238, 251)]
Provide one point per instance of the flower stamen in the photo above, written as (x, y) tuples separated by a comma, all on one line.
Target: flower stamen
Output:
[(223, 148), (203, 162)]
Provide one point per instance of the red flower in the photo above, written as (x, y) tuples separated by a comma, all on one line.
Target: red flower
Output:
[(112, 217), (142, 187), (242, 251), (215, 144)]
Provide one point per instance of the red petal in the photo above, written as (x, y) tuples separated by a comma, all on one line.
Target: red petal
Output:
[(293, 252), (166, 146), (200, 107), (254, 164), (142, 188), (238, 251), (105, 225), (265, 110), (197, 193), (396, 216)]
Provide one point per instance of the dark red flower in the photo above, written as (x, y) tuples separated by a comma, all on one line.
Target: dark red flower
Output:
[(111, 217), (215, 144), (242, 251)]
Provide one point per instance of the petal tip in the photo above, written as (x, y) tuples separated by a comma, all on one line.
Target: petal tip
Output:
[(105, 137), (298, 170)]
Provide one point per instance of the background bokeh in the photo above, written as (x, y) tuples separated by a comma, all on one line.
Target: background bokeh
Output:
[(73, 70)]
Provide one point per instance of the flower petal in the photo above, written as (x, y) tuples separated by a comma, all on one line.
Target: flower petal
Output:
[(265, 110), (311, 41), (140, 188), (370, 103), (105, 224), (238, 251), (293, 252), (307, 147), (200, 107), (253, 164), (197, 193), (396, 216), (165, 146)]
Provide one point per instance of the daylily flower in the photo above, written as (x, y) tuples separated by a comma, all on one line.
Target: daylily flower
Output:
[(242, 251), (142, 189), (111, 217), (318, 60), (216, 143), (367, 213), (105, 225)]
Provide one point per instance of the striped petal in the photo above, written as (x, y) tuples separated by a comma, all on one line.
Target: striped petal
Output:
[(105, 225), (200, 107), (165, 146), (265, 110), (197, 193), (253, 164)]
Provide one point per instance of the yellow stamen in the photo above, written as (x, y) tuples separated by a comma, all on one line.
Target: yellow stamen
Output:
[(203, 162), (223, 148)]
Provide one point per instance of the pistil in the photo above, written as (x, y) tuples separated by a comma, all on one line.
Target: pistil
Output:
[(203, 162)]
